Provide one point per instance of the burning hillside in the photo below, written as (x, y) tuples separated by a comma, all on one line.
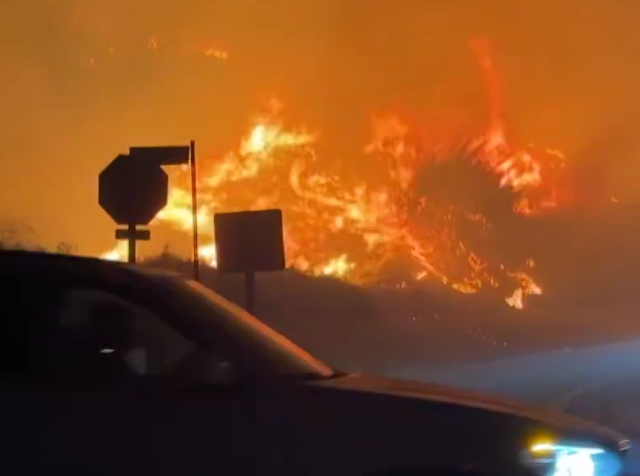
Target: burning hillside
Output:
[(423, 199)]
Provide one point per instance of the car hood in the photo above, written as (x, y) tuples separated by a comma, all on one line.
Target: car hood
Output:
[(432, 392)]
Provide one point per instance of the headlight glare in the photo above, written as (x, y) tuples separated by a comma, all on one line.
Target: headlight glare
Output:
[(550, 459)]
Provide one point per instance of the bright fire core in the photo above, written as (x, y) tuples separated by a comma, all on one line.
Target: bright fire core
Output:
[(340, 224)]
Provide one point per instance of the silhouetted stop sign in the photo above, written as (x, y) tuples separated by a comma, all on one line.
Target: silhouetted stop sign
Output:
[(132, 191)]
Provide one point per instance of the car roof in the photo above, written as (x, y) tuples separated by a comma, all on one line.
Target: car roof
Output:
[(63, 262)]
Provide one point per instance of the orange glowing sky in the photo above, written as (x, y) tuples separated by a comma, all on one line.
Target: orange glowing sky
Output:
[(80, 83)]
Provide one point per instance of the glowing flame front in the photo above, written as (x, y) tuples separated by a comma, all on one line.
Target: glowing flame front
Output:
[(348, 227)]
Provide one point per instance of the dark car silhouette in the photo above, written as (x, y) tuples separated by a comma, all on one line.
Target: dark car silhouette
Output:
[(111, 369)]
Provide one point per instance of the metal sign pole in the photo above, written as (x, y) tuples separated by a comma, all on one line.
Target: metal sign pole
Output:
[(194, 211), (132, 243), (132, 235), (250, 288)]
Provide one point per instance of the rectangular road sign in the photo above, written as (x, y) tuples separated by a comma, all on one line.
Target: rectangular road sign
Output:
[(250, 241), (139, 235), (162, 155)]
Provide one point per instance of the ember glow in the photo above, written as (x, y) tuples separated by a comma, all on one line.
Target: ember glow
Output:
[(207, 48), (351, 227)]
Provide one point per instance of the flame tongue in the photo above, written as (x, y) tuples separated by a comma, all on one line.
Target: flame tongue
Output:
[(349, 227)]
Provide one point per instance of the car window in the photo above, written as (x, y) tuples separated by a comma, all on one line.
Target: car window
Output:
[(126, 341), (122, 332), (89, 336)]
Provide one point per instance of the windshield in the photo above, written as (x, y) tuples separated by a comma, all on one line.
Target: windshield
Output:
[(267, 348)]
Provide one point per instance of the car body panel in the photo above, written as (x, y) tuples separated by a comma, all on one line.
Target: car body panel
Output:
[(459, 397)]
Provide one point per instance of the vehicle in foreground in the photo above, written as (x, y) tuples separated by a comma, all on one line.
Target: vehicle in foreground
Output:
[(113, 369)]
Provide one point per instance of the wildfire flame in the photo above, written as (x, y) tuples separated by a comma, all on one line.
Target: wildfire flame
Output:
[(351, 228)]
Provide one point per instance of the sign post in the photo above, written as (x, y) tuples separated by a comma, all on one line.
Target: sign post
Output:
[(249, 242), (132, 235), (250, 290), (178, 155), (194, 211), (133, 188)]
